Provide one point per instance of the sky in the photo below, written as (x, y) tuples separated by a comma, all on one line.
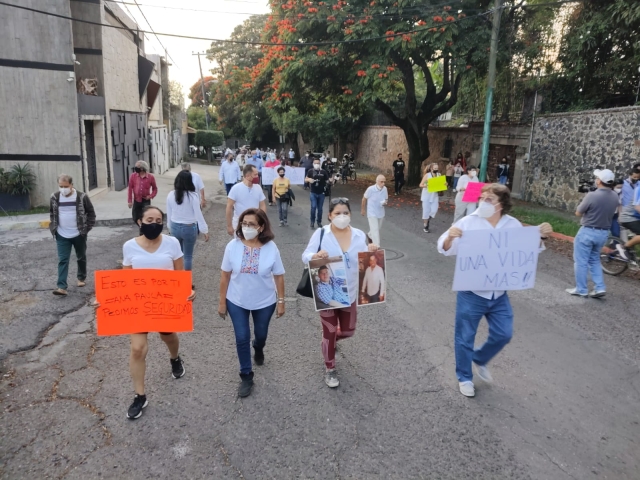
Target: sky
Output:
[(213, 19)]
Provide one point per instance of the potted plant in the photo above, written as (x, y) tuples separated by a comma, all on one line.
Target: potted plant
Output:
[(15, 187)]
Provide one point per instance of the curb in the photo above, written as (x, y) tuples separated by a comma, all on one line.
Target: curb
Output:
[(44, 224)]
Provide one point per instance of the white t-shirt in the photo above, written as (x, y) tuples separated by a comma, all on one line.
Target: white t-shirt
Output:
[(375, 199), (245, 198), (133, 255), (197, 181), (67, 220), (252, 269), (187, 213)]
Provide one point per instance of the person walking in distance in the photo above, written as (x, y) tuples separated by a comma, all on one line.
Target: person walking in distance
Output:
[(142, 189), (197, 182), (457, 173), (430, 200), (502, 172), (465, 208), (71, 217), (229, 173), (242, 196), (271, 162), (281, 186), (449, 174), (373, 202), (495, 204), (338, 239), (184, 216), (151, 250), (398, 174), (292, 156), (596, 211), (317, 179), (252, 273), (255, 159)]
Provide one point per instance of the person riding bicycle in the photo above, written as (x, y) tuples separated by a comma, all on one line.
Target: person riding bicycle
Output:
[(630, 219)]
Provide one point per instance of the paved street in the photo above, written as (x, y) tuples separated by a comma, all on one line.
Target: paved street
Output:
[(564, 404)]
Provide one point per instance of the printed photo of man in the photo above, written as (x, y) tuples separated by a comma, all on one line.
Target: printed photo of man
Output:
[(373, 287)]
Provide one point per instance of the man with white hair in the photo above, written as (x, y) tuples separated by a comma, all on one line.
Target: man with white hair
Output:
[(142, 188), (373, 202), (197, 181)]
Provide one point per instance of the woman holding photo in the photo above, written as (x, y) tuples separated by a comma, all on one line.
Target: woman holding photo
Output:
[(339, 240)]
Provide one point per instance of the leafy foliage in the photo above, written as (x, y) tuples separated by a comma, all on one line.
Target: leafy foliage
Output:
[(195, 92), (19, 180), (209, 138)]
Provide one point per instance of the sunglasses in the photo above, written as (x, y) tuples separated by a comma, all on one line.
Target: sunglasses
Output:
[(336, 201)]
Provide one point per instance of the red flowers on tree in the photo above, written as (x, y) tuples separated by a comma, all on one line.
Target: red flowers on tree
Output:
[(437, 19), (375, 66), (361, 73), (331, 18), (357, 62), (446, 9), (450, 19), (422, 23)]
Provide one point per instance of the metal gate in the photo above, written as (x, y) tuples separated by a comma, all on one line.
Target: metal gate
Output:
[(496, 152), (128, 144), (92, 168)]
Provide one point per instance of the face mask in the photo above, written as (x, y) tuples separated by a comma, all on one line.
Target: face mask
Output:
[(249, 233), (486, 209), (435, 170), (341, 221), (137, 169), (316, 166), (281, 174), (634, 180), (617, 190), (151, 230), (472, 174), (65, 191)]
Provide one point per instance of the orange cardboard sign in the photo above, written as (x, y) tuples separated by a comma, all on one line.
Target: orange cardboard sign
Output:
[(138, 301)]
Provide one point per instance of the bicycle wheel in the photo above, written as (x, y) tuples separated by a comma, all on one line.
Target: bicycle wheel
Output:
[(353, 176), (610, 259)]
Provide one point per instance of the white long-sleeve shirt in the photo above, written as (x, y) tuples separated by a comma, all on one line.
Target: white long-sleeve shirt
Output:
[(475, 222), (230, 172), (373, 281), (187, 213)]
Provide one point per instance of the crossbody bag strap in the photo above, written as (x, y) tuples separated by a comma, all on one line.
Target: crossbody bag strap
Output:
[(321, 235)]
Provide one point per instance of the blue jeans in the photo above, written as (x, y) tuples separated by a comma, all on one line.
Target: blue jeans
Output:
[(240, 319), (586, 257), (186, 235), (455, 182), (283, 209), (503, 180), (317, 202), (64, 245), (227, 187), (470, 308)]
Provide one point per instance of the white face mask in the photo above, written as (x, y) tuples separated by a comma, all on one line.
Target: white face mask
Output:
[(66, 191), (316, 166), (472, 173), (341, 221), (486, 209), (249, 233), (618, 190)]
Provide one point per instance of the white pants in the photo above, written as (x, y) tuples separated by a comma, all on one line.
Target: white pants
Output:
[(375, 224), (430, 207), (463, 208)]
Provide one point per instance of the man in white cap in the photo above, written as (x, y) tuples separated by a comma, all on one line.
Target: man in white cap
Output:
[(597, 210)]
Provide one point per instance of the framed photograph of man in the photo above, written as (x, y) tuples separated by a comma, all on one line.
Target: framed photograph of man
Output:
[(329, 283), (372, 285)]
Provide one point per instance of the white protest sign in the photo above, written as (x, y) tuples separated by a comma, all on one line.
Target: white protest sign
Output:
[(295, 175), (497, 259)]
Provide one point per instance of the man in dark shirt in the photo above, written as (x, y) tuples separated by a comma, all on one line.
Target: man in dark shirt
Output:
[(502, 172), (317, 179), (398, 173)]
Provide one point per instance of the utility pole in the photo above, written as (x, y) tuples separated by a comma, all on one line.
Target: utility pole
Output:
[(204, 98), (491, 83)]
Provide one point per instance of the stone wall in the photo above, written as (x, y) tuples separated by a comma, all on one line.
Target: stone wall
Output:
[(568, 147)]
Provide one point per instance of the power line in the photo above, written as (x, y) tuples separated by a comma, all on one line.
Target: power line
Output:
[(148, 23)]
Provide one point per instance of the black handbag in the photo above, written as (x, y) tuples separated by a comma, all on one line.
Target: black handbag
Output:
[(304, 286)]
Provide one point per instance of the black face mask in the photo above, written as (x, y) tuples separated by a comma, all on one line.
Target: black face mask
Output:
[(281, 174), (151, 230), (634, 180), (137, 169)]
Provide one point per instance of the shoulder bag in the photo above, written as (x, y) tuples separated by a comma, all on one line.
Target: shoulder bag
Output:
[(304, 286)]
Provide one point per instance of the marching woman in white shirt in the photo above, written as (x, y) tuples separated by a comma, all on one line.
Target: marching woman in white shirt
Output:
[(184, 216), (152, 250), (495, 203), (339, 240), (430, 200), (252, 272), (465, 208)]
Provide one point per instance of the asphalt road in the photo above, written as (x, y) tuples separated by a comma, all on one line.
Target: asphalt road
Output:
[(564, 403)]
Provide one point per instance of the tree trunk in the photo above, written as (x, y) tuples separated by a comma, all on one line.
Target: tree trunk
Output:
[(418, 143)]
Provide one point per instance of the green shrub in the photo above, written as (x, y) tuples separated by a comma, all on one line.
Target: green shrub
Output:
[(209, 138)]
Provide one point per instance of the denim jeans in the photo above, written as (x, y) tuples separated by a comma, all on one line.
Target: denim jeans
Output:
[(586, 257), (64, 245), (503, 180), (228, 186), (240, 319), (186, 235), (470, 308), (317, 202), (283, 209), (615, 226), (455, 182)]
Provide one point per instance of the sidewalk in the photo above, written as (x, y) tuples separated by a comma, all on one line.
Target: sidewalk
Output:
[(111, 207)]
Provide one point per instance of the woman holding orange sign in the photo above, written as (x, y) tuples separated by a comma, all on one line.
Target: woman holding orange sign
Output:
[(151, 250)]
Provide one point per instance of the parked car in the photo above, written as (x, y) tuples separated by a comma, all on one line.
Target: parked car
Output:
[(216, 152)]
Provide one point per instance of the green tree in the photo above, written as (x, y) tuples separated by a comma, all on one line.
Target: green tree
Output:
[(196, 118), (195, 92)]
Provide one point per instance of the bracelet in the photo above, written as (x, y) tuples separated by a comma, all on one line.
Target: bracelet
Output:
[(280, 301)]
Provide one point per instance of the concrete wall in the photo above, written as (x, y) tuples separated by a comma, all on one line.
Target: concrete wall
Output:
[(568, 147), (159, 149), (156, 115), (88, 38)]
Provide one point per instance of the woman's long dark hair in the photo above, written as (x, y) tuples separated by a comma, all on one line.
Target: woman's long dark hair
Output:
[(183, 183)]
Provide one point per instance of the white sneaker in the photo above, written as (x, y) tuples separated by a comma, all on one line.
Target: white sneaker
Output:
[(467, 389), (622, 251), (597, 293), (331, 378), (483, 372), (574, 292)]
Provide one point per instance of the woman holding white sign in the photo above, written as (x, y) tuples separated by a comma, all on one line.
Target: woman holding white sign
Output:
[(495, 203), (339, 240), (430, 200)]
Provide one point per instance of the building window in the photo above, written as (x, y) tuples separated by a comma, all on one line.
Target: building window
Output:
[(384, 142), (236, 143), (448, 146)]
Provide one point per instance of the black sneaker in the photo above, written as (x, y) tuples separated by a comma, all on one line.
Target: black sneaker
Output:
[(258, 356), (312, 225), (244, 390), (135, 410), (319, 225), (177, 368), (425, 229)]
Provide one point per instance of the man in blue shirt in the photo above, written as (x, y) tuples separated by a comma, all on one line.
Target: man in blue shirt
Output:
[(629, 186)]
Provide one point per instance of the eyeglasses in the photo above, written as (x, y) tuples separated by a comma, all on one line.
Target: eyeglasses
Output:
[(339, 200), (491, 200), (250, 225)]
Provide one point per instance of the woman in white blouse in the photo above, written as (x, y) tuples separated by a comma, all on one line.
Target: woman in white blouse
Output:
[(151, 250), (252, 272), (184, 216), (465, 208), (339, 239), (430, 200)]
